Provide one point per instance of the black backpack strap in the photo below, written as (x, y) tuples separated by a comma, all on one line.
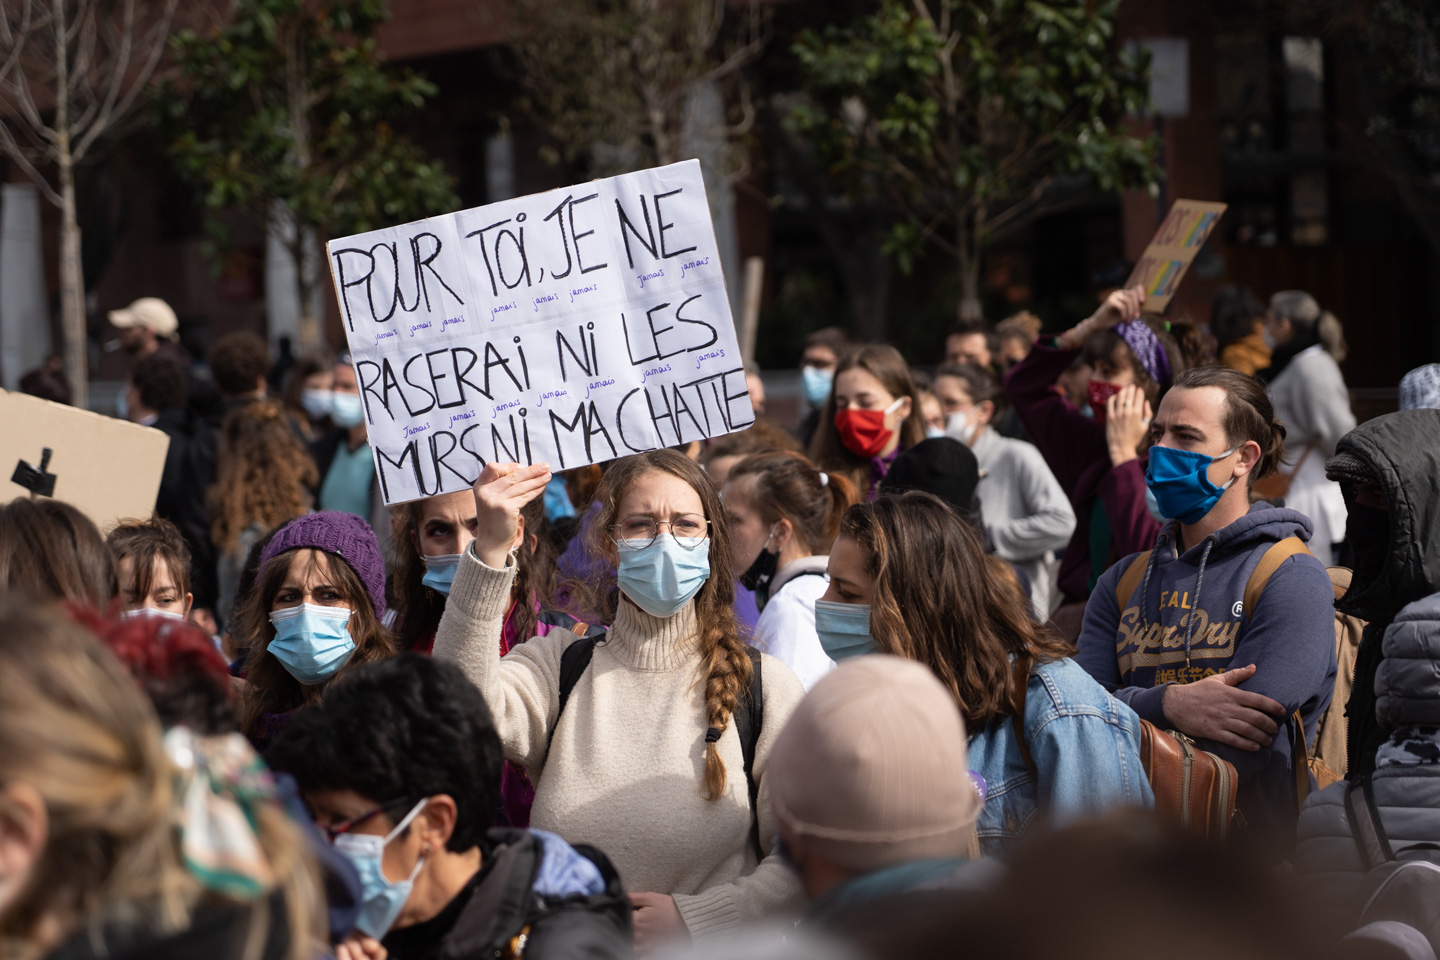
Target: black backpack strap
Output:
[(574, 661), (749, 720), (1365, 825)]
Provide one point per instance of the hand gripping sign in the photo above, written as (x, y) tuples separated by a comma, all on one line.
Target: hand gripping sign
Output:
[(568, 327)]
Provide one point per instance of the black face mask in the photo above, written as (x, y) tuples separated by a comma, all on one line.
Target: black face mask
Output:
[(1368, 531), (760, 575)]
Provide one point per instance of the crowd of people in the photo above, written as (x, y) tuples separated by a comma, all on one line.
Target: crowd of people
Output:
[(1030, 650)]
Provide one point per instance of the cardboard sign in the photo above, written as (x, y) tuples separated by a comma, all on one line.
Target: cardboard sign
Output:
[(568, 327), (1172, 249), (110, 469)]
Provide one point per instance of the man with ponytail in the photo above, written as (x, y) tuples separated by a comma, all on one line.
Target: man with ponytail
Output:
[(1224, 629)]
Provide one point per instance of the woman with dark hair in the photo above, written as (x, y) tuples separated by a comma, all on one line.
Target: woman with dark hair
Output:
[(638, 747), (784, 514), (430, 538), (316, 610), (1237, 322), (873, 415), (1311, 399), (152, 564), (908, 577), (309, 396), (1027, 515), (51, 551), (1097, 458)]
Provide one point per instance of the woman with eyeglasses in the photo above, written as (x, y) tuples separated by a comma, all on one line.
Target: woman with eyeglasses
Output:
[(651, 744)]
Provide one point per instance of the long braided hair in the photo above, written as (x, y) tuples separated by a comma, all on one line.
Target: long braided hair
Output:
[(725, 662)]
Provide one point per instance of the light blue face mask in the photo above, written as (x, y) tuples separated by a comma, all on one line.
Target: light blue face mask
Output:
[(1180, 481), (932, 433), (346, 410), (817, 385), (440, 572), (312, 641), (380, 900), (844, 629), (664, 576), (317, 403)]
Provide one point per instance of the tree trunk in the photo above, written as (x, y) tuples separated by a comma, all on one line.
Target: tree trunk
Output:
[(72, 288), (310, 327), (967, 257)]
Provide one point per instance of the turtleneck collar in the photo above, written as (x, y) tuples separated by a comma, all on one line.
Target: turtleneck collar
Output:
[(651, 643)]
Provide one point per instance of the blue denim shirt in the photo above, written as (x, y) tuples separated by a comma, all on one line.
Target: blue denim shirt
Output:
[(1086, 746)]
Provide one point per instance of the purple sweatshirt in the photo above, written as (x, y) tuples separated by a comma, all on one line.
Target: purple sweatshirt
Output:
[(1289, 636), (1074, 446)]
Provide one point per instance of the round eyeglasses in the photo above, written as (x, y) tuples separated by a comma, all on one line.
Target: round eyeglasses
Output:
[(639, 531)]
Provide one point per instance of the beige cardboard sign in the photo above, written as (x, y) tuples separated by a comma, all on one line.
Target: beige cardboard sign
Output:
[(1172, 249), (110, 469)]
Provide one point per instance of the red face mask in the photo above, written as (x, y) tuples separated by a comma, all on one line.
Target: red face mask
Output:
[(1097, 392), (863, 431)]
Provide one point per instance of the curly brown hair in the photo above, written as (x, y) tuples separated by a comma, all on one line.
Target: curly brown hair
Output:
[(263, 474), (938, 599), (726, 661), (419, 608), (272, 689)]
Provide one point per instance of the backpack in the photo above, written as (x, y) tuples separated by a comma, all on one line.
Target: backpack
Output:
[(1278, 553), (1398, 890), (1329, 759), (748, 718)]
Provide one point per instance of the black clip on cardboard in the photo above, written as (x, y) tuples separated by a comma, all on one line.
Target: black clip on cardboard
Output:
[(35, 479)]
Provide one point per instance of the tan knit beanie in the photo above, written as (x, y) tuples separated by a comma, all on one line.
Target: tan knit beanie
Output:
[(871, 771)]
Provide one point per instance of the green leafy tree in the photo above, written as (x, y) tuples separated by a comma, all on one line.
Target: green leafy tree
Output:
[(287, 109), (967, 117)]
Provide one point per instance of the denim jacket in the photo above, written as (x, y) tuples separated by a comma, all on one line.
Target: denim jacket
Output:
[(1086, 747)]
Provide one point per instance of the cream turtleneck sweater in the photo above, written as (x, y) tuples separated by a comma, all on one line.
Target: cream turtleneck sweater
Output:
[(624, 771)]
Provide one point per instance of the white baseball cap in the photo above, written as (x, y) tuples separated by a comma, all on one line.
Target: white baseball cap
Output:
[(149, 312)]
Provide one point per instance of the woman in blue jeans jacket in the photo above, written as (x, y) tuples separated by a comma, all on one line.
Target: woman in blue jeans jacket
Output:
[(909, 577)]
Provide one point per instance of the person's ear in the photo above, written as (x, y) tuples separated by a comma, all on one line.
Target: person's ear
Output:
[(519, 533), (24, 831), (1250, 456), (784, 532), (189, 602), (437, 821), (902, 413)]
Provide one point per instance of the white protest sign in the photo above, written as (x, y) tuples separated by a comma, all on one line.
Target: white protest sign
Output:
[(568, 327)]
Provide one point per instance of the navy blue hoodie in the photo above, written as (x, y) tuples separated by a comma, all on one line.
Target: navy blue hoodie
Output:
[(1189, 609)]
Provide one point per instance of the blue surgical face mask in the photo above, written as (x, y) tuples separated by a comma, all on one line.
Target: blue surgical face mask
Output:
[(380, 900), (817, 384), (844, 629), (1180, 481), (440, 572), (312, 641), (661, 578), (346, 410), (317, 403)]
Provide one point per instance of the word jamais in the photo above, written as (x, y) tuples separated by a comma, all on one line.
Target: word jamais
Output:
[(569, 327)]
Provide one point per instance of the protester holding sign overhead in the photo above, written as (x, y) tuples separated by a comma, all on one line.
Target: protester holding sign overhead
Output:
[(614, 745), (1096, 459)]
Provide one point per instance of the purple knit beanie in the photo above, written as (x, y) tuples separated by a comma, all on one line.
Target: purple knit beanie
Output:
[(340, 533)]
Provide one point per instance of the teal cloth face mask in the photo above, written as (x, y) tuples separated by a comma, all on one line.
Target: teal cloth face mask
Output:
[(440, 572), (1180, 481), (347, 410), (844, 629), (312, 641), (664, 576)]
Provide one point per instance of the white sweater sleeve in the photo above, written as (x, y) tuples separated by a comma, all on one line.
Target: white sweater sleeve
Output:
[(1048, 519), (771, 887), (522, 689)]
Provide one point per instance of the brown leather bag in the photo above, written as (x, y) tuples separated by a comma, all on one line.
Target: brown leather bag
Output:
[(1277, 485), (1193, 787)]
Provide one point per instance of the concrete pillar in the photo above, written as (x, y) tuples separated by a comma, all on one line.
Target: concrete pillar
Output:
[(24, 315)]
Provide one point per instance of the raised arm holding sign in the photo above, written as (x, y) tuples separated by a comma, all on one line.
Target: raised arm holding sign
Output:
[(567, 327)]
